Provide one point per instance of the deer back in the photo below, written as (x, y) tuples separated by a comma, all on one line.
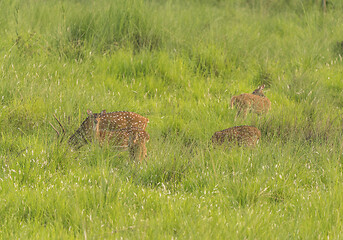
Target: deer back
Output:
[(239, 135), (118, 120)]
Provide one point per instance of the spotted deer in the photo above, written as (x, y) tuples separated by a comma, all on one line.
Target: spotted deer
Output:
[(256, 102), (239, 135), (103, 122)]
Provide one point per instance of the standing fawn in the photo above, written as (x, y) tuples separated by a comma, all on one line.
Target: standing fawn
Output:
[(239, 135), (256, 102), (105, 122)]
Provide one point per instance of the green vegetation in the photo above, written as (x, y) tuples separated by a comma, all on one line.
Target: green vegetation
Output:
[(177, 63)]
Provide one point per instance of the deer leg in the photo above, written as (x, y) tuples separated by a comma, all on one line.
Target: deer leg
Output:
[(238, 113), (245, 112), (241, 112)]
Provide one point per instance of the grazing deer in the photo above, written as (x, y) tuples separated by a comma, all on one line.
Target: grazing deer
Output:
[(256, 102), (103, 122), (239, 135)]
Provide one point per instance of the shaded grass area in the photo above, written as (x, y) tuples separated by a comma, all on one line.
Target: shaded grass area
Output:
[(177, 63)]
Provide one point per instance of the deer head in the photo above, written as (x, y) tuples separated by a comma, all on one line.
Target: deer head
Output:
[(259, 91), (85, 133)]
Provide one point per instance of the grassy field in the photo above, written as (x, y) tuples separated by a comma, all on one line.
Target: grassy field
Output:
[(177, 63)]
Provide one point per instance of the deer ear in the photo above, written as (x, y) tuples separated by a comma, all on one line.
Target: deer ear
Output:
[(89, 112), (103, 112)]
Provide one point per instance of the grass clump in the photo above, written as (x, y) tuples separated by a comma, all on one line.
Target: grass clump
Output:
[(177, 63), (106, 29)]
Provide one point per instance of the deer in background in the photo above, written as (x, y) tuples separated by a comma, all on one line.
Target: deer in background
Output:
[(239, 135), (256, 102)]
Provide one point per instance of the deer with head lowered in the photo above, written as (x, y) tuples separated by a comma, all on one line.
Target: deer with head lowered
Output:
[(105, 122), (256, 102), (114, 126), (239, 135)]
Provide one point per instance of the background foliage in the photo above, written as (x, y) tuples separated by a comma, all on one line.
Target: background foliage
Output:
[(177, 63)]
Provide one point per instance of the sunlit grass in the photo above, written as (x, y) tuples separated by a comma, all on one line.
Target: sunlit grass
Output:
[(177, 63)]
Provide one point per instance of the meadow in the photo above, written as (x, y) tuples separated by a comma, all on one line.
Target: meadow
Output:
[(177, 63)]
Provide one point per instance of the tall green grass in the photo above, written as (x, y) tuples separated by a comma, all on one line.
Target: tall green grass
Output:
[(177, 63)]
